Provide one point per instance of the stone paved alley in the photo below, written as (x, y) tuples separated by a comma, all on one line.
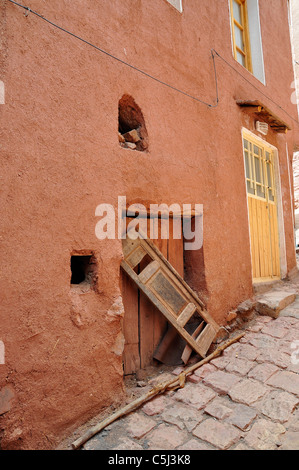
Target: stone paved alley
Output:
[(245, 399)]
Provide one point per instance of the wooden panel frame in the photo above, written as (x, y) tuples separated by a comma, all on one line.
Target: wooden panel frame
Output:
[(200, 344)]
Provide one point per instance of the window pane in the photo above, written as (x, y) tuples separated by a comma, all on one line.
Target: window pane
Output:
[(258, 176), (249, 189), (247, 165), (256, 149), (240, 58), (239, 38), (246, 143), (259, 191), (237, 11)]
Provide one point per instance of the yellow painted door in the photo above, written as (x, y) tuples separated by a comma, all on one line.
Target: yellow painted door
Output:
[(262, 207)]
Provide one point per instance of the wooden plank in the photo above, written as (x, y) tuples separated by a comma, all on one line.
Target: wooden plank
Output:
[(188, 350), (252, 241), (186, 314), (149, 271), (277, 248), (205, 338), (160, 322), (255, 237), (167, 292), (260, 235), (200, 347), (129, 245), (267, 235), (175, 255), (170, 336), (152, 324), (136, 256), (275, 239), (131, 359), (153, 250), (179, 281), (264, 233), (270, 241), (146, 330), (146, 327)]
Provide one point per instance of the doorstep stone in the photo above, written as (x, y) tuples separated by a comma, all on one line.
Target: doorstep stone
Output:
[(273, 302)]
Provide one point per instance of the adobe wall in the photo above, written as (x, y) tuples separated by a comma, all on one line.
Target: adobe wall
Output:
[(295, 35), (60, 159)]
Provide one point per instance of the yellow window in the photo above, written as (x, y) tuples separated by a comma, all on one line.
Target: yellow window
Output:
[(259, 169), (240, 32)]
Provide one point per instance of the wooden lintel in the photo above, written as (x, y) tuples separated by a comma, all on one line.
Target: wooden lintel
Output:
[(282, 130), (256, 107)]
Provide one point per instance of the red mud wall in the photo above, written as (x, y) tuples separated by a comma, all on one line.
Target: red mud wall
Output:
[(60, 158)]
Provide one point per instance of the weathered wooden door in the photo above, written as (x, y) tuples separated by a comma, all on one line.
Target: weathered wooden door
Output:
[(143, 324), (262, 207)]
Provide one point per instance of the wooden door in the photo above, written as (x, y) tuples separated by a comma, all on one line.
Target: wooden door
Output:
[(262, 207), (143, 325)]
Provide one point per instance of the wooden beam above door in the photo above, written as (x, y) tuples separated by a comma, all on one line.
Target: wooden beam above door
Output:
[(264, 114)]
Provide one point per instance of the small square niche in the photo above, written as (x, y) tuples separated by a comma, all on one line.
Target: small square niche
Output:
[(83, 270)]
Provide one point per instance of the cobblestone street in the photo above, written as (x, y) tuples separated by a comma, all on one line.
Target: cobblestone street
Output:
[(245, 399)]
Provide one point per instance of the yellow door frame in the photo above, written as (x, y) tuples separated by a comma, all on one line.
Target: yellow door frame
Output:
[(263, 202)]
